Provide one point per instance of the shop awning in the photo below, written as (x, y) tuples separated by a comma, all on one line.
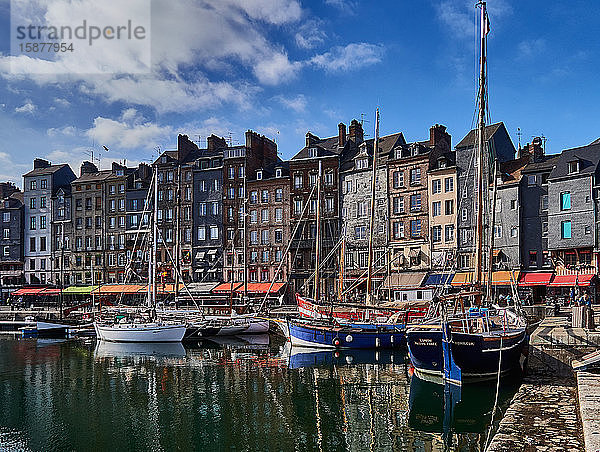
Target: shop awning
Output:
[(527, 279), (572, 280), (260, 287), (200, 255), (405, 280), (438, 279), (79, 290), (120, 289), (226, 287), (167, 288), (32, 291), (51, 292), (501, 278)]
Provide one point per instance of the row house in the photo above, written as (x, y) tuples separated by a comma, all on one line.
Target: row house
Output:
[(356, 172), (40, 186), (11, 257), (208, 237), (238, 161), (318, 159), (498, 143), (573, 210), (408, 165), (268, 225)]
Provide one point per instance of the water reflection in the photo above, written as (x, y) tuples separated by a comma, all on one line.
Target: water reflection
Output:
[(242, 394)]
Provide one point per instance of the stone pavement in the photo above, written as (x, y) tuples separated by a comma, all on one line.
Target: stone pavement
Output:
[(588, 385), (544, 414)]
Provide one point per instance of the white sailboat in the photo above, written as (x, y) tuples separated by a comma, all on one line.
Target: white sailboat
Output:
[(154, 330)]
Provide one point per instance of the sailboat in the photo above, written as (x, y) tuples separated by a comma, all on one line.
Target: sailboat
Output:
[(153, 330), (482, 341), (335, 333)]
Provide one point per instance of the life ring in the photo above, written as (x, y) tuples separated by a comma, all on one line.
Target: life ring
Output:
[(349, 338), (336, 341)]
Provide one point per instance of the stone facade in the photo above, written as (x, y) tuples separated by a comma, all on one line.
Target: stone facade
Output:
[(11, 240)]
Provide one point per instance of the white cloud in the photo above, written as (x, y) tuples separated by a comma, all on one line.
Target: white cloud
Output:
[(532, 47), (298, 103), (347, 6), (28, 107), (276, 69), (310, 34), (66, 130), (130, 132), (459, 18), (62, 102), (351, 57)]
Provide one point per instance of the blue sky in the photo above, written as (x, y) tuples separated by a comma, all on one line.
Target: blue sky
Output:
[(285, 67)]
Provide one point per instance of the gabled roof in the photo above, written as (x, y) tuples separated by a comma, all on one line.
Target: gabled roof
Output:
[(510, 171), (546, 165), (325, 147), (93, 177), (386, 144), (45, 171), (588, 157), (469, 139)]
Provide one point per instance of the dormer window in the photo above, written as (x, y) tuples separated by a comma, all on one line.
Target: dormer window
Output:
[(312, 152), (573, 167), (163, 159), (259, 175), (414, 150), (119, 172), (362, 163), (398, 153), (278, 172), (442, 163)]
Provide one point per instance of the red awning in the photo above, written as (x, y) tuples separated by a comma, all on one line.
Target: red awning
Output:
[(260, 287), (226, 287), (535, 279), (572, 280), (36, 291)]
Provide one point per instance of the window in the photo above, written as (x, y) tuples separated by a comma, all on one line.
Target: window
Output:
[(360, 232), (253, 216), (241, 172), (254, 237), (436, 208), (363, 260), (362, 163), (32, 223), (585, 257), (329, 204), (544, 228), (259, 175), (6, 217), (33, 185), (565, 201), (574, 167), (464, 215), (264, 237), (415, 176), (298, 181), (215, 208), (279, 195), (42, 265), (449, 233), (264, 216), (264, 196), (449, 184), (587, 198), (436, 186), (329, 178), (231, 172), (278, 236), (398, 179), (6, 233), (398, 204), (112, 205), (361, 208), (297, 206), (32, 203), (544, 202), (514, 232), (44, 183), (449, 207), (278, 172), (231, 192), (415, 202), (415, 228), (201, 233), (437, 234), (565, 229), (214, 232), (312, 179), (588, 229), (398, 230), (279, 214), (513, 204), (32, 244), (498, 231), (6, 250), (122, 205), (312, 152), (533, 258), (531, 180), (348, 186), (43, 202)]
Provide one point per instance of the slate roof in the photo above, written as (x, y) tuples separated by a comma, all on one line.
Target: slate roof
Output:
[(386, 144), (325, 147), (511, 171), (546, 165), (45, 171), (469, 139), (588, 157), (269, 172), (93, 177)]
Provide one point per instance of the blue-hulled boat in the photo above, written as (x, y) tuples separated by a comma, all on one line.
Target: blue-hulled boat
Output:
[(346, 336)]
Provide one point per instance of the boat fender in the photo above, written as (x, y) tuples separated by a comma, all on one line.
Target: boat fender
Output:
[(336, 341), (392, 339), (349, 338), (336, 354), (377, 342)]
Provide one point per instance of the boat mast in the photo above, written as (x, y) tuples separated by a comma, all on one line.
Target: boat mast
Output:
[(342, 267), (154, 241), (372, 218), (317, 291), (492, 233), (480, 145)]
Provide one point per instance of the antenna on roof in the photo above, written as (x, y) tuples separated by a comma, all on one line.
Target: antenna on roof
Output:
[(519, 133), (363, 120), (230, 139)]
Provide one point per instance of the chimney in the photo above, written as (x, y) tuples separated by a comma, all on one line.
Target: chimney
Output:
[(439, 136), (87, 168), (214, 142), (310, 139), (341, 134), (41, 163), (143, 171), (356, 132)]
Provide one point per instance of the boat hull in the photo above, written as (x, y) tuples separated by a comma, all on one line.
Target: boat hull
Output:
[(334, 337), (477, 355), (140, 333)]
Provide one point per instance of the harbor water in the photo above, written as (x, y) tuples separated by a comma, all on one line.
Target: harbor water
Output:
[(238, 394)]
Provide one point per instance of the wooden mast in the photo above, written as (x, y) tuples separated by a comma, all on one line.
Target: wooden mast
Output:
[(369, 298), (317, 291), (480, 153)]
